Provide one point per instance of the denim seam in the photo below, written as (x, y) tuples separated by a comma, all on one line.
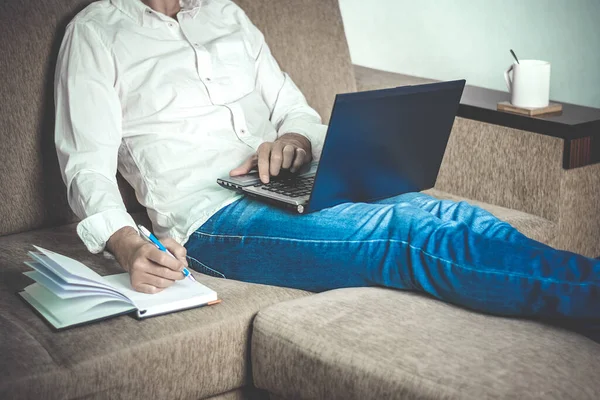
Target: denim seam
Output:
[(212, 270), (465, 267)]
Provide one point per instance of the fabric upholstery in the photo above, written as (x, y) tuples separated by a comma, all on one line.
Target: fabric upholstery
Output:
[(373, 343), (579, 221), (33, 194), (503, 166), (530, 225), (242, 394), (373, 79), (190, 354)]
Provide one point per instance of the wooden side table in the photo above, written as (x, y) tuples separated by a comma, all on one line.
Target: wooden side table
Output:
[(577, 126)]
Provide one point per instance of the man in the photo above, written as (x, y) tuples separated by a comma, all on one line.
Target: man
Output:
[(179, 93)]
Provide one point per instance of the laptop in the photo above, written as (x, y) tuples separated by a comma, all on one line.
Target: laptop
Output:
[(379, 144)]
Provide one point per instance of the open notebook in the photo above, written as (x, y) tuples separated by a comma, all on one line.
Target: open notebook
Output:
[(68, 293)]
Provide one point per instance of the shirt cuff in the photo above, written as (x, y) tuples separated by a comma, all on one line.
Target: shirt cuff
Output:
[(96, 229), (313, 131)]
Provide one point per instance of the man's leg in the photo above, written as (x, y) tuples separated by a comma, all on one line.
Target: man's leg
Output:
[(477, 219), (400, 246)]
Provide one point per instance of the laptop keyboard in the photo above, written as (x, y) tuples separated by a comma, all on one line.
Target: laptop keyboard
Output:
[(293, 187)]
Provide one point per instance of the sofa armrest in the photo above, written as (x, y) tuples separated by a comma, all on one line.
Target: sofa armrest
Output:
[(507, 167), (523, 171), (579, 215)]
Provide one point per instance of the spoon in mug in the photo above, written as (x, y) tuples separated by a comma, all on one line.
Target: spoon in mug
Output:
[(514, 56)]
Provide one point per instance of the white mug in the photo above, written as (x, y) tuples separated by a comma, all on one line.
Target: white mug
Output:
[(529, 85)]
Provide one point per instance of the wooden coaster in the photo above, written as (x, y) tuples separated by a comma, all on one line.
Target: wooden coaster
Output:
[(552, 108)]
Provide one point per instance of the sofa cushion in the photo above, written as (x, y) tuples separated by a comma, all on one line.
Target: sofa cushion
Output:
[(375, 343), (532, 226), (374, 79), (34, 195), (190, 354)]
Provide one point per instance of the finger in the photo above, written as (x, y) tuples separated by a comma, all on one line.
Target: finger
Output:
[(299, 160), (245, 167), (264, 153), (276, 158), (156, 281), (289, 152), (176, 249), (145, 288), (161, 272), (164, 259)]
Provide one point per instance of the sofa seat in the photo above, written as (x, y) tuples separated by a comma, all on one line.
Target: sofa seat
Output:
[(375, 343), (192, 354), (530, 225)]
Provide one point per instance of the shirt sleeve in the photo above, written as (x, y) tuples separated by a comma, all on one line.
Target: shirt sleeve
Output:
[(290, 113), (88, 135)]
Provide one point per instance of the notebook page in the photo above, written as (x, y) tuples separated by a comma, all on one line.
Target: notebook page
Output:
[(42, 269), (183, 294), (83, 285), (69, 291), (106, 310), (68, 267), (65, 309), (53, 277), (67, 279), (47, 267)]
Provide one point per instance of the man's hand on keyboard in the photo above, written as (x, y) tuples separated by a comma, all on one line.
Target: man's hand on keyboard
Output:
[(290, 151)]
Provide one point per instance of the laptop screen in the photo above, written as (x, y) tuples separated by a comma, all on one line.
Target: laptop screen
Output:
[(384, 143)]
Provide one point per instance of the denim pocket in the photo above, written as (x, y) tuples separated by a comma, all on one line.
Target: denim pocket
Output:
[(203, 268)]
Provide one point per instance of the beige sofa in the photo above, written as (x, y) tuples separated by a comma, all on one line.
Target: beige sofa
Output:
[(347, 344)]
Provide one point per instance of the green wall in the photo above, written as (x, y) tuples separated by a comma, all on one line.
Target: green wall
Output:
[(450, 39)]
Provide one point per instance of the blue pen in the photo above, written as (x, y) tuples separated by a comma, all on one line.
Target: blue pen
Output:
[(149, 236)]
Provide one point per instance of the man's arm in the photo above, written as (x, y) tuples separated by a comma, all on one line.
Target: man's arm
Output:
[(300, 132), (87, 136)]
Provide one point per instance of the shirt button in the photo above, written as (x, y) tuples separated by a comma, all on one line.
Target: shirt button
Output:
[(148, 12), (197, 44), (208, 79), (243, 131), (171, 24)]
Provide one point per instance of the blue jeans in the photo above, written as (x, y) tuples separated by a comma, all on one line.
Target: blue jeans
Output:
[(455, 252)]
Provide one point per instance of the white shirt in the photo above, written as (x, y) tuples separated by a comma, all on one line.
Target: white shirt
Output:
[(173, 104)]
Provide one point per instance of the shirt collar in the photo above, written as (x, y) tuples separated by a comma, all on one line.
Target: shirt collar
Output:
[(139, 11), (189, 4)]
